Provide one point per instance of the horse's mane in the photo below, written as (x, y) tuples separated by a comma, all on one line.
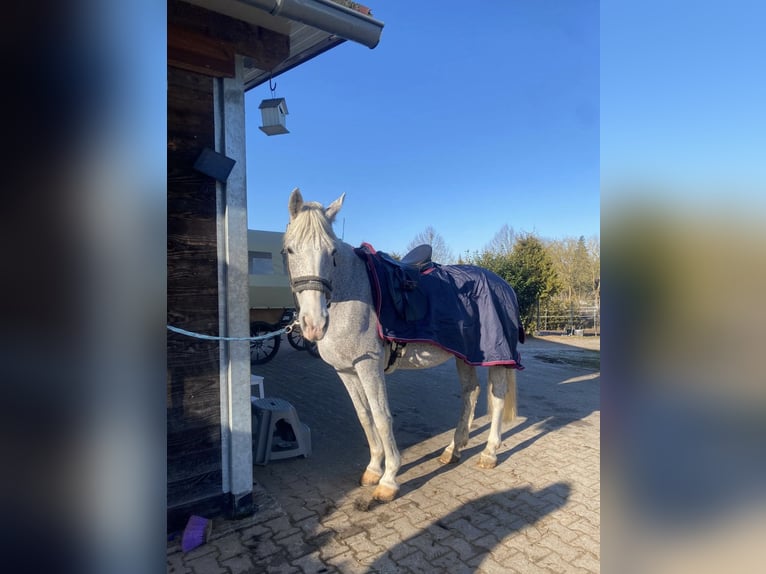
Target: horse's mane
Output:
[(311, 225)]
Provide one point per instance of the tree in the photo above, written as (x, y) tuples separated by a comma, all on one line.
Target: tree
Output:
[(530, 272), (573, 265), (594, 266), (441, 252), (528, 268), (502, 242), (578, 265)]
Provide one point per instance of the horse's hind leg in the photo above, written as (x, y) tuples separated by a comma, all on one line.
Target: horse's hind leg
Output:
[(374, 470), (469, 385), (501, 401)]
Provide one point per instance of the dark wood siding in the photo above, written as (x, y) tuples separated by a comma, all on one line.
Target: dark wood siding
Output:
[(193, 393)]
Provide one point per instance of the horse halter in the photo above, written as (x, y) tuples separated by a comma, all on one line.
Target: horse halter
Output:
[(312, 283)]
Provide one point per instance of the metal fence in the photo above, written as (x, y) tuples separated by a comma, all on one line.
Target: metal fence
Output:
[(583, 320)]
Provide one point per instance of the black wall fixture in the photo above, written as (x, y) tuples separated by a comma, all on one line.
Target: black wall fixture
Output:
[(214, 164)]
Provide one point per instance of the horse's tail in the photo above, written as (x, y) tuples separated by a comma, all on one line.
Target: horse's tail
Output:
[(509, 399), (509, 405)]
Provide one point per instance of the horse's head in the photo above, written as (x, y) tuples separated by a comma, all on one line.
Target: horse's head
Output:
[(310, 246)]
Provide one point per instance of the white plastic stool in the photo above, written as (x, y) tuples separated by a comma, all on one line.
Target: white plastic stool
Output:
[(267, 413), (256, 384)]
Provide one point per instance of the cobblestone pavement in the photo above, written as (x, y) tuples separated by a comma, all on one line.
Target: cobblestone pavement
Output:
[(537, 511)]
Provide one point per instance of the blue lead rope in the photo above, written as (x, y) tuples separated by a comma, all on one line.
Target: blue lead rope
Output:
[(214, 338)]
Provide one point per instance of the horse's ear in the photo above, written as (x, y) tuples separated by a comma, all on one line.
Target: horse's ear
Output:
[(333, 209), (295, 203)]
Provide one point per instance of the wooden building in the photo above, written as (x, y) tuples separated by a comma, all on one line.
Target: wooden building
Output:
[(218, 49)]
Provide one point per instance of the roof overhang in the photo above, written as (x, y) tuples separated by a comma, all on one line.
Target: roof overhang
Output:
[(313, 26)]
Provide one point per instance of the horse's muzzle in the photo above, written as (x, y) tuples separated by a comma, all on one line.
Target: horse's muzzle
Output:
[(310, 330), (313, 318)]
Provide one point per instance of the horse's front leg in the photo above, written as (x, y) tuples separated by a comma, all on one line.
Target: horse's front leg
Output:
[(374, 386), (374, 470)]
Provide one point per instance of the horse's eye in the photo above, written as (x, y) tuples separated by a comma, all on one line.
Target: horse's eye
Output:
[(290, 251)]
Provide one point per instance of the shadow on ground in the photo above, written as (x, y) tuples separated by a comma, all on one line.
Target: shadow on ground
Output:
[(559, 386), (456, 535)]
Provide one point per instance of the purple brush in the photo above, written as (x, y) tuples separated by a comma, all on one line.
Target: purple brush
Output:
[(196, 533)]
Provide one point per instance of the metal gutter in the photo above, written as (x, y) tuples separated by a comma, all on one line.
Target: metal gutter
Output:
[(327, 16), (255, 77)]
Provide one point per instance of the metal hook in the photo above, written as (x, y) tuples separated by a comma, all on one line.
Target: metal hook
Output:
[(274, 87)]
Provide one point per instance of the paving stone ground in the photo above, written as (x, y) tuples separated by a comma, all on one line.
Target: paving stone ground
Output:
[(536, 512)]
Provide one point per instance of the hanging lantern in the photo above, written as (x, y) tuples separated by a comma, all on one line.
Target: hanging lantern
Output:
[(273, 112)]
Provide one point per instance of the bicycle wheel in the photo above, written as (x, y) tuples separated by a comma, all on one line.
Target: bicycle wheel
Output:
[(296, 340), (263, 350), (313, 350)]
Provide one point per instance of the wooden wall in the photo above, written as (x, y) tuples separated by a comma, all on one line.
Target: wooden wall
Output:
[(193, 393)]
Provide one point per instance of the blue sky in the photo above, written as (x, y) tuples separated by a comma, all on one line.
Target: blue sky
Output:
[(683, 90), (464, 118)]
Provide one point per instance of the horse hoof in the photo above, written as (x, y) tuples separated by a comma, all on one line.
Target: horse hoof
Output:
[(449, 457), (370, 478), (384, 493), (486, 461)]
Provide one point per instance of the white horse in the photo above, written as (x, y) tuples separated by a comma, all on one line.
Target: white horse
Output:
[(324, 269)]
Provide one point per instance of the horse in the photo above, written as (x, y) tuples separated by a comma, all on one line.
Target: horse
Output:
[(335, 301)]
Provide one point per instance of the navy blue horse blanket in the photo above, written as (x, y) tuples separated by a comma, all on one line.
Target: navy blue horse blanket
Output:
[(466, 310)]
